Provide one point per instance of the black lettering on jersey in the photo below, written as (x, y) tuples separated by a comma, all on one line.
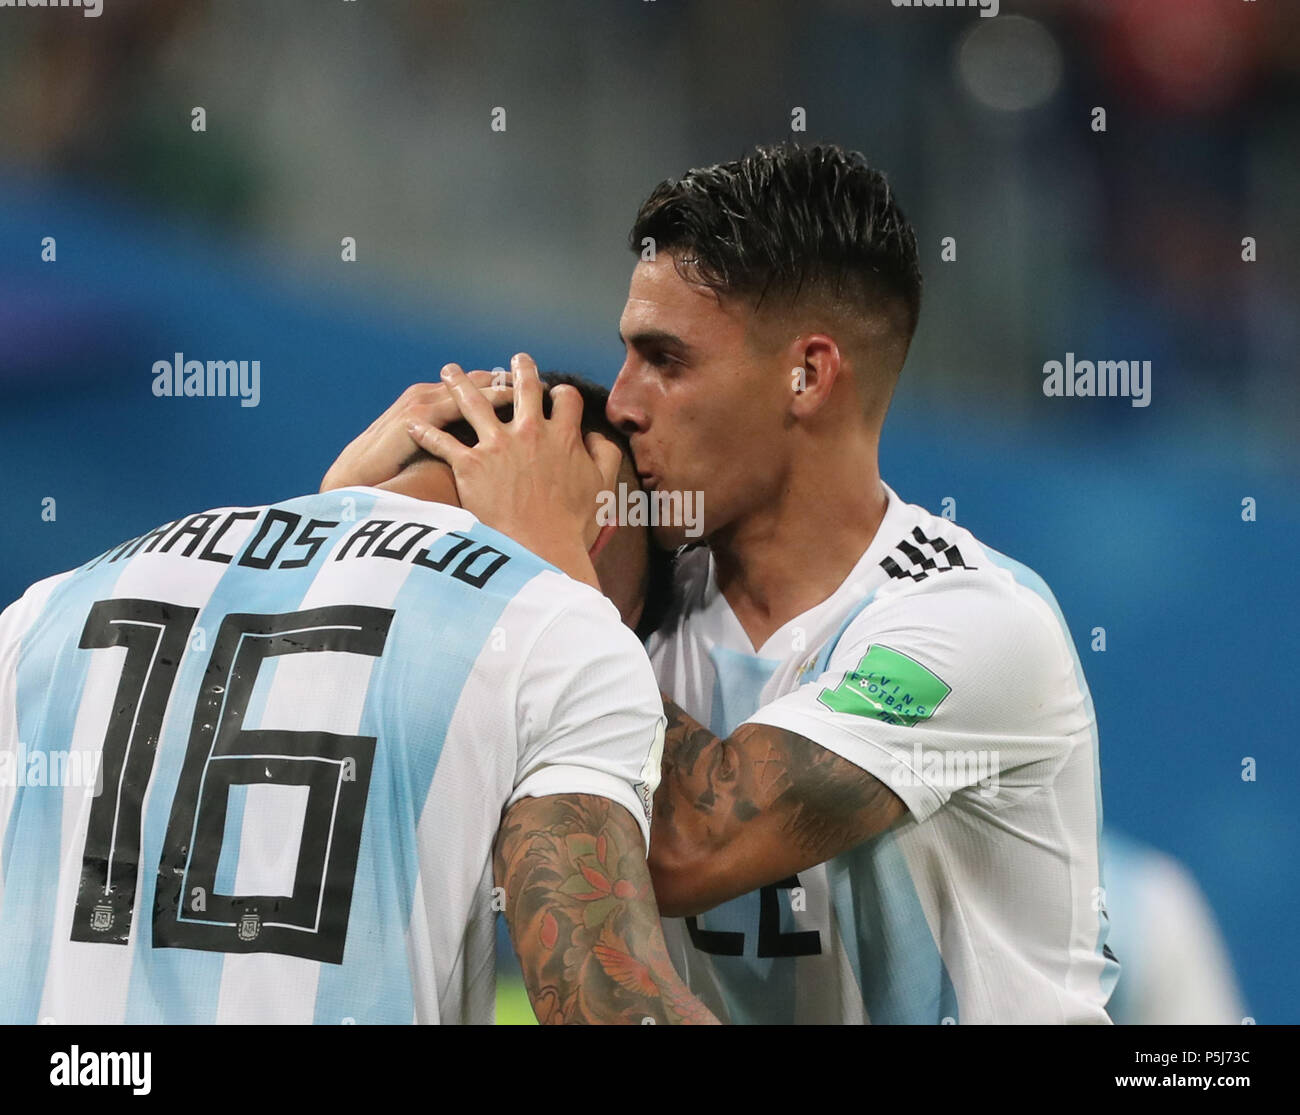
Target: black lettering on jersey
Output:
[(210, 552), (94, 562), (155, 637), (439, 564), (312, 920), (133, 544), (152, 538), (479, 579), (117, 551), (288, 522), (771, 941), (714, 941), (919, 564), (196, 526), (312, 541), (388, 548), (366, 533)]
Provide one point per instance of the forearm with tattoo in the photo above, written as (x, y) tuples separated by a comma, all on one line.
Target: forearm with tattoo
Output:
[(582, 915), (761, 802)]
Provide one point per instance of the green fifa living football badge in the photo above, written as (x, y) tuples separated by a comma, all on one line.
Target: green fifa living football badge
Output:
[(887, 686)]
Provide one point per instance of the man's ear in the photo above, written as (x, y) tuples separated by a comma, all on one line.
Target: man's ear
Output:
[(814, 376), (603, 537)]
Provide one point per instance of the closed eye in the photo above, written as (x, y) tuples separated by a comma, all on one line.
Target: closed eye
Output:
[(659, 349)]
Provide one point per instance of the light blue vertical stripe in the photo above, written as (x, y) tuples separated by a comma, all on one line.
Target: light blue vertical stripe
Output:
[(738, 682), (51, 675), (177, 986), (1029, 579), (824, 658), (756, 990), (898, 966), (440, 626)]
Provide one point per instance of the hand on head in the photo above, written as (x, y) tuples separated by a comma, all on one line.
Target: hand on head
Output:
[(534, 478)]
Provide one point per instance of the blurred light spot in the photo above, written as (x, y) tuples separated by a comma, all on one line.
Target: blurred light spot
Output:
[(1011, 63), (1187, 54)]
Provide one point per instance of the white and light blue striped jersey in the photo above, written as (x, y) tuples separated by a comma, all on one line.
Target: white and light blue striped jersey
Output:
[(253, 762), (945, 670)]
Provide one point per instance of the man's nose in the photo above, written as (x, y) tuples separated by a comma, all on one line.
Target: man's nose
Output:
[(622, 409)]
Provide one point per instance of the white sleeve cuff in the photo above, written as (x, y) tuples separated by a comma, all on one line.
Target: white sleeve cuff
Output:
[(892, 766), (550, 780)]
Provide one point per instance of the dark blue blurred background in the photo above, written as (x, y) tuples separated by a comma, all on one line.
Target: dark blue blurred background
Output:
[(373, 120)]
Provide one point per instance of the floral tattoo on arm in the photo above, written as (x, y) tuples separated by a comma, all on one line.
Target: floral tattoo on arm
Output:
[(582, 915)]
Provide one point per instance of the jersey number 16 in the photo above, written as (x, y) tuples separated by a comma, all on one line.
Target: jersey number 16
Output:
[(330, 774)]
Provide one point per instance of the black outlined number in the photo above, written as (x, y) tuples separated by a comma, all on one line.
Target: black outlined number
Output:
[(312, 920), (771, 941), (155, 636)]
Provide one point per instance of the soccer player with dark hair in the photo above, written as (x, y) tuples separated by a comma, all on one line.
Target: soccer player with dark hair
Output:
[(635, 573), (881, 798), (317, 730)]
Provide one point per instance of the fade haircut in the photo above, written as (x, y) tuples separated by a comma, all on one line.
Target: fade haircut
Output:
[(786, 222)]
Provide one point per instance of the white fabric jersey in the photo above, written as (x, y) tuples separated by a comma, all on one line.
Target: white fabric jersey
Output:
[(944, 669), (252, 763)]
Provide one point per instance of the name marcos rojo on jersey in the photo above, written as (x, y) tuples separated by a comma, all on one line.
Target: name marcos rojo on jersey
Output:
[(307, 720)]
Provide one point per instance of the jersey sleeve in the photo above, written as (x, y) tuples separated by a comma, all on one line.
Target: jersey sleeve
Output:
[(590, 718), (15, 621), (962, 688)]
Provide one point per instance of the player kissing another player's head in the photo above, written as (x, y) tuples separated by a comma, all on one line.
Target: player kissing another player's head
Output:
[(634, 572), (765, 328)]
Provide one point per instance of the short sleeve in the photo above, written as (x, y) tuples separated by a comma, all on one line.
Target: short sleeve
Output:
[(590, 718), (963, 688)]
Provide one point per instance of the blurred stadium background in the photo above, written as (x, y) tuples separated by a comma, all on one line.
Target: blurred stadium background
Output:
[(371, 119)]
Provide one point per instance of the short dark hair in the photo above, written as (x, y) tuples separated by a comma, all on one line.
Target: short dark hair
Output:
[(659, 580), (785, 219), (594, 398)]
